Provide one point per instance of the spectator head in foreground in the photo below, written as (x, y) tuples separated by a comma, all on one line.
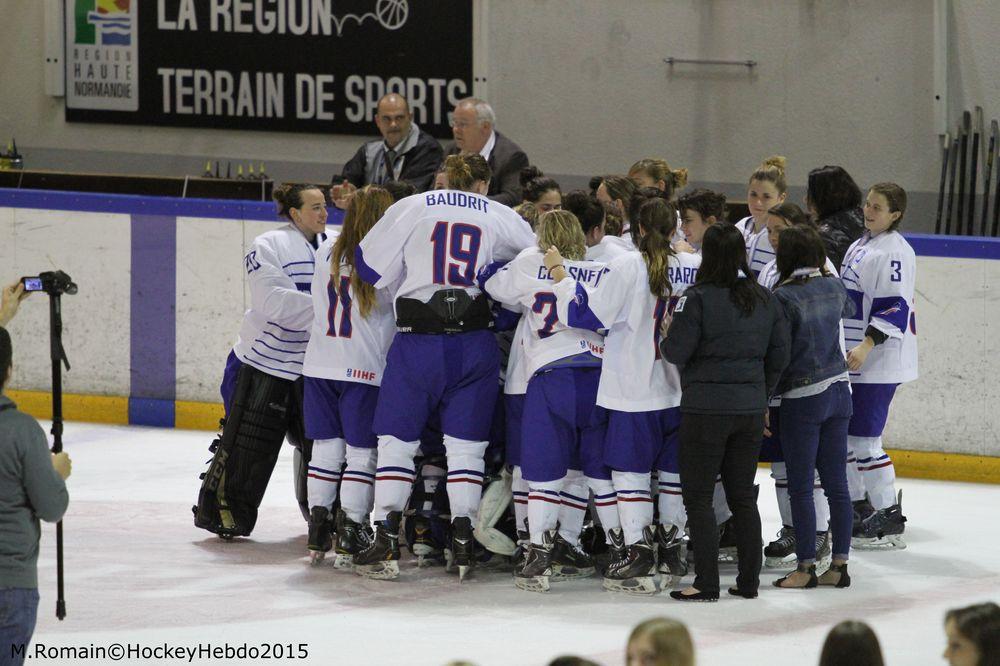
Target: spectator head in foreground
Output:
[(973, 635), (851, 643), (660, 641)]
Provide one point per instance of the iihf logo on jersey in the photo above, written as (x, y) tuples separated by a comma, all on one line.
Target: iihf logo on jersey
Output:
[(891, 310), (366, 375)]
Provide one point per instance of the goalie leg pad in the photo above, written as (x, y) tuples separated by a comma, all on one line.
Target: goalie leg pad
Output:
[(238, 474)]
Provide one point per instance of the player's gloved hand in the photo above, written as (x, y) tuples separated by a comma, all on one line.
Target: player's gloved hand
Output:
[(856, 357)]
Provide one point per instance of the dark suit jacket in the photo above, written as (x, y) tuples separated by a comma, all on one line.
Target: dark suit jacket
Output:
[(506, 162), (419, 164)]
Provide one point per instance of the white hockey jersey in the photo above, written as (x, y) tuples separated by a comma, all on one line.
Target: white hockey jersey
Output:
[(609, 248), (879, 273), (343, 345), (633, 378), (526, 282), (439, 240), (275, 330)]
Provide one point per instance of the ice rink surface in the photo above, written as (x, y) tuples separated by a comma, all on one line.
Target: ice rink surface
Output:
[(138, 572)]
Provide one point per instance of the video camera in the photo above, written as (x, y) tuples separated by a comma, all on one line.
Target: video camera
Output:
[(54, 283)]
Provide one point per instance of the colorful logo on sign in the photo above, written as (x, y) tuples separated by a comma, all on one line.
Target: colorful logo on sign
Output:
[(103, 22)]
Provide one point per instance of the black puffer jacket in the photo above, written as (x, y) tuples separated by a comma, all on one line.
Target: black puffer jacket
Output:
[(839, 231), (729, 363)]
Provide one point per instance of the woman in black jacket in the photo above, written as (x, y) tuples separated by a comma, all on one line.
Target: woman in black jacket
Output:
[(729, 338), (834, 199)]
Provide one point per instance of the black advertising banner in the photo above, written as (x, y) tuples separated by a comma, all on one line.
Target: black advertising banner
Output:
[(275, 65)]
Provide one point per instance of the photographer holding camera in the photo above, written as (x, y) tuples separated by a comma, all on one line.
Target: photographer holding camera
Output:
[(32, 487)]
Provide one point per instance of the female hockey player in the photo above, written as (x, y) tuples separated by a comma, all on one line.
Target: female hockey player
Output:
[(879, 272), (640, 395), (562, 435), (444, 359), (261, 388), (767, 188), (344, 361)]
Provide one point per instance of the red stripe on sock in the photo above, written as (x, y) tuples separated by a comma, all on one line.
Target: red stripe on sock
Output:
[(394, 478), (322, 478), (472, 481), (868, 469), (608, 503), (517, 501), (670, 492), (351, 478), (543, 499), (635, 499), (574, 506)]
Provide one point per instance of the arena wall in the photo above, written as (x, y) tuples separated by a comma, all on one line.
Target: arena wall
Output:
[(162, 294), (582, 86)]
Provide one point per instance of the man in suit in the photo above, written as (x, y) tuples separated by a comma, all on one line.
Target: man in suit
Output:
[(404, 153), (472, 125)]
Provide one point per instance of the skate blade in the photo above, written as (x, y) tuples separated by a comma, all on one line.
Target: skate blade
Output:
[(891, 542), (775, 562), (342, 561), (644, 585), (668, 581), (316, 557), (571, 573), (422, 549), (463, 571), (378, 571), (532, 583)]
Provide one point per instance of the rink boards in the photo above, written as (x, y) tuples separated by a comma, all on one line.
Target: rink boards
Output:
[(162, 294)]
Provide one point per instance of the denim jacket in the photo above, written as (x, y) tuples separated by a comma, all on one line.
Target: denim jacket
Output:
[(814, 308)]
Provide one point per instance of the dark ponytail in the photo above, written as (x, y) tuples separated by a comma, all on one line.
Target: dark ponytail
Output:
[(289, 196), (724, 264), (657, 219)]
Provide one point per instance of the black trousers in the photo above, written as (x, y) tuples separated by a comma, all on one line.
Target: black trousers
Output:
[(713, 444)]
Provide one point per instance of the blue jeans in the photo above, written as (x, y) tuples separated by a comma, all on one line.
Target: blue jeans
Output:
[(18, 610), (814, 436)]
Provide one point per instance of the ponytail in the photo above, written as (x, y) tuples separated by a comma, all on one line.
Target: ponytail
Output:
[(365, 209), (464, 170), (289, 196), (657, 220)]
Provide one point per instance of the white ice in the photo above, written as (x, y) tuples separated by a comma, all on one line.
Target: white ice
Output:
[(139, 572)]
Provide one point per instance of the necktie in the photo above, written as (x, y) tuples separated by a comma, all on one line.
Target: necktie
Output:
[(389, 163)]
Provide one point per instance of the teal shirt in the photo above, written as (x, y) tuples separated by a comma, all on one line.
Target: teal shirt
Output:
[(30, 489)]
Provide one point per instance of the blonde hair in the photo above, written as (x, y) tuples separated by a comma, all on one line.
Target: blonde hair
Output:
[(670, 639), (365, 208), (771, 170), (528, 212), (658, 169), (464, 170), (562, 229)]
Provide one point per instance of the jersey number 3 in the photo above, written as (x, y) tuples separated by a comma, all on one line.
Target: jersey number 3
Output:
[(344, 300), (460, 242), (896, 267)]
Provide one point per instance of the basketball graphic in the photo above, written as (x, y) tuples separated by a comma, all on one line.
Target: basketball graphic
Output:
[(392, 13)]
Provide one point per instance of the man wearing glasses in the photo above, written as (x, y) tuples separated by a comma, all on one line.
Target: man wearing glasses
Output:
[(472, 124)]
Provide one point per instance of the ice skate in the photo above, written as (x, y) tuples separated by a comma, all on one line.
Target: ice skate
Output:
[(781, 552), (422, 547), (634, 573), (862, 509), (727, 541), (570, 561), (352, 538), (824, 546), (883, 530), (520, 551), (380, 559), (535, 574), (668, 555), (320, 534), (461, 554)]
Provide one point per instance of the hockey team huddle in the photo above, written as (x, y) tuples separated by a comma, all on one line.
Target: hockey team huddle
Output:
[(488, 388)]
